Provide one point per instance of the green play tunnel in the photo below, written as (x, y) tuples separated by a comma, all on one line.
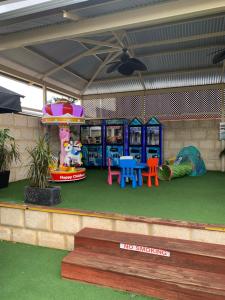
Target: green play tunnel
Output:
[(167, 172)]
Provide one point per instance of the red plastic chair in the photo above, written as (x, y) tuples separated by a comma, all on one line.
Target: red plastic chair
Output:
[(153, 164), (112, 173)]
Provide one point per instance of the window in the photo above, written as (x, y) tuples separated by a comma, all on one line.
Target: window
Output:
[(32, 102), (33, 95), (51, 95)]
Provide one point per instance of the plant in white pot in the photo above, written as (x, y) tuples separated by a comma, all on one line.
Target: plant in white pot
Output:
[(39, 190), (8, 153)]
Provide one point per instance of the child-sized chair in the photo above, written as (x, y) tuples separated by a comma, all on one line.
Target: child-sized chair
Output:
[(112, 173), (153, 164), (128, 172)]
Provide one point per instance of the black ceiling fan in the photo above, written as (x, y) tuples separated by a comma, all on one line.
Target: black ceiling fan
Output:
[(126, 65), (219, 56)]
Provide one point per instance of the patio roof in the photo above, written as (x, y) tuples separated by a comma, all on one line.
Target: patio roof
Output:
[(70, 43)]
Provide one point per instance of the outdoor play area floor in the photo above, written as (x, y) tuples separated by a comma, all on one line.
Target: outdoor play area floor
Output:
[(197, 199), (33, 273)]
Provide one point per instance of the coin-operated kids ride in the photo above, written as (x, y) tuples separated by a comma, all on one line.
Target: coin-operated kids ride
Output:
[(63, 113)]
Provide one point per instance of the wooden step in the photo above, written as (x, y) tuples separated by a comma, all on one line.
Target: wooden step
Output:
[(188, 254), (144, 277)]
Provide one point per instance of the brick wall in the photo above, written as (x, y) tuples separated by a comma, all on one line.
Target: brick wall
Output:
[(26, 130), (204, 134), (56, 229), (177, 134)]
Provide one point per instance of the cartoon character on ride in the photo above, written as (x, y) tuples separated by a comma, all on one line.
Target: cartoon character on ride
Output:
[(73, 153)]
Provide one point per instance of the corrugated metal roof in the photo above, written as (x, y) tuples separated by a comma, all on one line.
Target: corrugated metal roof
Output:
[(60, 51), (114, 87), (159, 58), (180, 60), (208, 42), (68, 79), (179, 30), (86, 66), (179, 80), (193, 78), (35, 23), (114, 6), (27, 59)]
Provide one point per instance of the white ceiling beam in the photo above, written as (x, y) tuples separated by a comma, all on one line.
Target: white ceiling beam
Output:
[(143, 16), (103, 51), (72, 60), (97, 43), (184, 50), (108, 59), (54, 64), (150, 74), (178, 40), (83, 45)]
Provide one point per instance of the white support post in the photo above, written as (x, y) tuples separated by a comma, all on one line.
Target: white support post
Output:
[(44, 94), (222, 116)]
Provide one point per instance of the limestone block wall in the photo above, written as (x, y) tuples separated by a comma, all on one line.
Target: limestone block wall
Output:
[(55, 228), (204, 134), (26, 130)]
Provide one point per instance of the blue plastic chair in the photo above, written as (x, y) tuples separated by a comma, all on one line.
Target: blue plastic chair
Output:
[(128, 171)]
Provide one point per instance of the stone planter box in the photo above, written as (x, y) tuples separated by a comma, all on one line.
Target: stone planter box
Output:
[(38, 196), (4, 179)]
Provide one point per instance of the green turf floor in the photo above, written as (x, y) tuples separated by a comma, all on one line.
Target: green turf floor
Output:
[(198, 199), (33, 273)]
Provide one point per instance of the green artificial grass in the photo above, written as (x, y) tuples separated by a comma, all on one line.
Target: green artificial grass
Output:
[(197, 199), (33, 273)]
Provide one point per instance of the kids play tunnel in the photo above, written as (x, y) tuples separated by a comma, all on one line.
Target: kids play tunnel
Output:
[(167, 172), (188, 162)]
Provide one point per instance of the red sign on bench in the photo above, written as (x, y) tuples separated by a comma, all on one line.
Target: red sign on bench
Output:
[(145, 249)]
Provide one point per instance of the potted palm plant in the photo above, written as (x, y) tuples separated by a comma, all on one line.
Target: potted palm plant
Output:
[(39, 190), (8, 153)]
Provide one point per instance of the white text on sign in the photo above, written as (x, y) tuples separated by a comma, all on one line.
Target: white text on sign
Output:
[(145, 249)]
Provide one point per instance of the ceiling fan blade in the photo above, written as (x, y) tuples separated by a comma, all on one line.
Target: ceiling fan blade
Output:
[(113, 67), (137, 64), (219, 57), (215, 52), (126, 69)]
